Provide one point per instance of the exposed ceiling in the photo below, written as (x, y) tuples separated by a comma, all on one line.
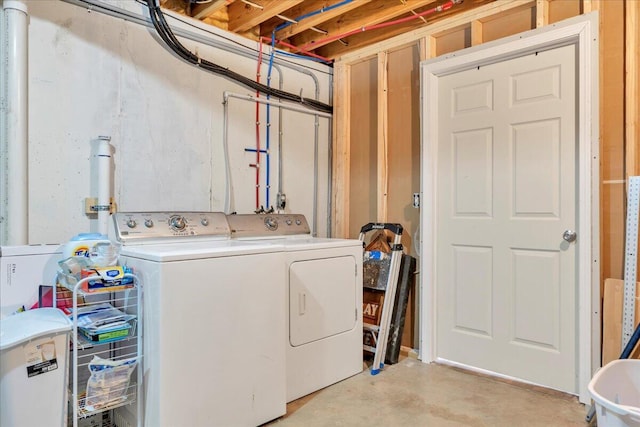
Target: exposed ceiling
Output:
[(325, 28)]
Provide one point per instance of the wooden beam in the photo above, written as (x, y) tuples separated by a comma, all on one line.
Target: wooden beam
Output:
[(485, 11), (542, 13), (243, 16), (341, 151), (632, 91), (613, 302), (432, 45), (201, 11), (313, 21), (356, 41), (588, 6), (383, 137), (476, 33), (375, 12), (424, 48)]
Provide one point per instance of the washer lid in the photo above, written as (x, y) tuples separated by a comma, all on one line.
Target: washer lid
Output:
[(188, 251), (26, 250), (31, 324)]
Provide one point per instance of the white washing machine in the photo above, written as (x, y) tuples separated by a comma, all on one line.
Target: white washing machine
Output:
[(323, 296), (214, 320)]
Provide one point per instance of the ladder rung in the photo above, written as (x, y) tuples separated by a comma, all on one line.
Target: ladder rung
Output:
[(369, 327), (369, 348)]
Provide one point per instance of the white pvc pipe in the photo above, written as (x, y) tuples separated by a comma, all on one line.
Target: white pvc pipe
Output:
[(16, 121), (228, 204), (103, 161), (292, 107)]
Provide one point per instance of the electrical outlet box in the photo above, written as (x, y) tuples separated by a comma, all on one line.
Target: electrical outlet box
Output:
[(91, 205)]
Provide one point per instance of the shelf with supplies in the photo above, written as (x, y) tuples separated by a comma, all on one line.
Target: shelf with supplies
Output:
[(106, 351)]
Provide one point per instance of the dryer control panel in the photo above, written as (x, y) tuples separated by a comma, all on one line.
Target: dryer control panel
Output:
[(267, 225), (151, 227)]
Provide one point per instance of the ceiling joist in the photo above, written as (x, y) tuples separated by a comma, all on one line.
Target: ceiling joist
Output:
[(245, 15), (328, 28)]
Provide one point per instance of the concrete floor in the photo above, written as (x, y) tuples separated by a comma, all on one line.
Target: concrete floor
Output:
[(412, 393)]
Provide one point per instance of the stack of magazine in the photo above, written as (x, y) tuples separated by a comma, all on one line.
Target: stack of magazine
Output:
[(103, 323)]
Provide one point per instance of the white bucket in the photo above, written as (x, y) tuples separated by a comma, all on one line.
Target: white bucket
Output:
[(34, 352), (616, 391)]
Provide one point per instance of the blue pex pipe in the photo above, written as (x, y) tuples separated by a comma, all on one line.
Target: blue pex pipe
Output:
[(268, 139), (315, 12)]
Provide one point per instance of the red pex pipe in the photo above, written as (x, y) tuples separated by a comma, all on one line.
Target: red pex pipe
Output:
[(306, 52), (257, 163)]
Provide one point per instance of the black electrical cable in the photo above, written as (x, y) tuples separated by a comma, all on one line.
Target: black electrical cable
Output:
[(166, 34), (241, 45), (186, 22)]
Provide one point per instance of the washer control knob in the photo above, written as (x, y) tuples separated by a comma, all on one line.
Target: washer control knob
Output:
[(288, 221), (131, 223), (298, 222), (271, 223), (204, 221), (177, 222), (148, 223)]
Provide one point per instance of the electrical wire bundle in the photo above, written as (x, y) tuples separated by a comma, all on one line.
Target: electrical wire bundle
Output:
[(166, 34)]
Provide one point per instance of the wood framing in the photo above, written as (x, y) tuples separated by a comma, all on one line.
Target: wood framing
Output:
[(612, 135), (341, 152), (243, 18), (383, 137), (203, 10), (632, 88), (342, 77), (312, 21), (619, 88), (476, 33), (542, 13)]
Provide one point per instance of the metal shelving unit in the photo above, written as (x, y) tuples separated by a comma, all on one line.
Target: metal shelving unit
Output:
[(116, 346)]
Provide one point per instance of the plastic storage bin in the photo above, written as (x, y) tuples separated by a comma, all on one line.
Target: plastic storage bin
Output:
[(616, 391), (34, 351)]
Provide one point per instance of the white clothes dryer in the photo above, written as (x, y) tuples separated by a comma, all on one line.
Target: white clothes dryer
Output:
[(214, 320), (323, 285)]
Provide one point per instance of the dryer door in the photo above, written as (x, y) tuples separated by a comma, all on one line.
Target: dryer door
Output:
[(322, 298)]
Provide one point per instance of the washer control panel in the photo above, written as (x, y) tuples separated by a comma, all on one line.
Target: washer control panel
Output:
[(161, 226), (267, 225)]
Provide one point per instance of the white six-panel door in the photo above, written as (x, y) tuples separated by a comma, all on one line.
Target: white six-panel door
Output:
[(506, 283)]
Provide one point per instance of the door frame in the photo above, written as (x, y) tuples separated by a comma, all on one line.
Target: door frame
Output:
[(581, 31)]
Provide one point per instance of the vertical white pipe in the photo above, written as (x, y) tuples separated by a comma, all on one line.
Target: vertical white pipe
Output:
[(103, 162), (15, 224)]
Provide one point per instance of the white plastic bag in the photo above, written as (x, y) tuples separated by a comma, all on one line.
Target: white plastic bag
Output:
[(109, 382)]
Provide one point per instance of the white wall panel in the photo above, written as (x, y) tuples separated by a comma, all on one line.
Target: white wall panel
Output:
[(91, 74)]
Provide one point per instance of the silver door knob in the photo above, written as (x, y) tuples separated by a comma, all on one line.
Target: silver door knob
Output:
[(569, 236)]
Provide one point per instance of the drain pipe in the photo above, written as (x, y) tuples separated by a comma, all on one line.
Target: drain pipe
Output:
[(14, 218), (103, 160)]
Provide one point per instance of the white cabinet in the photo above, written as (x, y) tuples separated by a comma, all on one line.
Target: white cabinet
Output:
[(106, 352)]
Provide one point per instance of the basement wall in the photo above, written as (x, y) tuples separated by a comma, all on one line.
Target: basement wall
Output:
[(91, 74)]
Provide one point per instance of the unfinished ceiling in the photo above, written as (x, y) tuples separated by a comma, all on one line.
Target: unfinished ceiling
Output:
[(325, 29)]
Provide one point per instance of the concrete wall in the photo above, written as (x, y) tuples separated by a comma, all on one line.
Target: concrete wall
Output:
[(91, 74)]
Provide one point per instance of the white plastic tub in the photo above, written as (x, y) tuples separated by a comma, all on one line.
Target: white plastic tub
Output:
[(616, 391), (34, 350)]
